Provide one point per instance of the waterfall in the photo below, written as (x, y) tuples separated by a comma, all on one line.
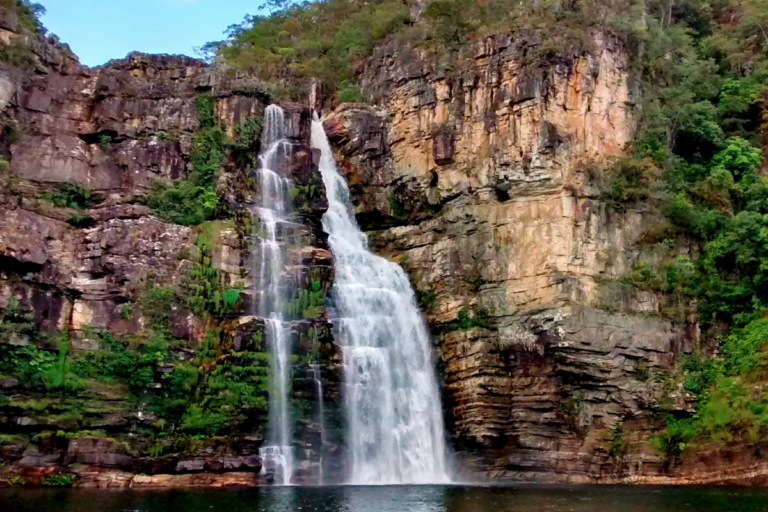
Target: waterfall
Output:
[(392, 404), (271, 212), (318, 378)]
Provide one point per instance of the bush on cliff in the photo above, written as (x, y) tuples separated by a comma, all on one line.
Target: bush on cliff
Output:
[(193, 200)]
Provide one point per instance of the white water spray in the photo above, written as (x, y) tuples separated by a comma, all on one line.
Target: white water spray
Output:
[(276, 458), (392, 402)]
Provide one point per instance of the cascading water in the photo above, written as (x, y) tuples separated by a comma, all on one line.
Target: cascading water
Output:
[(317, 376), (271, 212), (392, 402)]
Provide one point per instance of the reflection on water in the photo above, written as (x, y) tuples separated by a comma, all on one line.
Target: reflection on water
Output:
[(395, 499)]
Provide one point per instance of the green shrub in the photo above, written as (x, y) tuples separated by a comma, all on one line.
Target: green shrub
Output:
[(643, 277), (628, 181), (247, 135), (426, 299), (126, 311), (397, 207), (320, 41), (183, 202), (199, 421), (80, 220), (105, 140), (307, 301), (618, 447), (204, 105), (70, 195), (642, 374), (207, 156), (193, 200), (156, 305), (29, 14), (17, 53), (467, 320), (349, 92), (30, 364), (59, 480), (229, 298), (731, 405)]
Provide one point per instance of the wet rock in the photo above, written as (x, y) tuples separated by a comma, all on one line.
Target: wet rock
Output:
[(97, 452), (234, 479)]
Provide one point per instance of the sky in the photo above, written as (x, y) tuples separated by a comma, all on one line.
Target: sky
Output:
[(101, 30)]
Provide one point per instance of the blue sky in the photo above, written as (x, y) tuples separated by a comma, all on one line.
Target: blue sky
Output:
[(100, 30)]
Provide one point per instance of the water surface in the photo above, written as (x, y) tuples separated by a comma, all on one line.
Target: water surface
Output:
[(395, 499)]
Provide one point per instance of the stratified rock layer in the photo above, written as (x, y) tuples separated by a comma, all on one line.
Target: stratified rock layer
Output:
[(478, 182), (477, 179)]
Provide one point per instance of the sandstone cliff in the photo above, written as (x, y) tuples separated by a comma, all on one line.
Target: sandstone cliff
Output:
[(478, 179)]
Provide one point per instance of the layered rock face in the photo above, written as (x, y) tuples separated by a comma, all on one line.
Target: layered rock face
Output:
[(477, 180), (81, 270)]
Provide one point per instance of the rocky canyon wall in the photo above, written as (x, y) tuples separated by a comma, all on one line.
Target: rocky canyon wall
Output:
[(105, 277), (479, 178)]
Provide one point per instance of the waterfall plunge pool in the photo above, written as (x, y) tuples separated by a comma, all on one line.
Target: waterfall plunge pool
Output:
[(427, 498)]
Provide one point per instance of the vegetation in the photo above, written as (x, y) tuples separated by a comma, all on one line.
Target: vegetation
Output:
[(321, 40), (59, 480), (206, 395), (732, 405), (467, 320), (70, 195), (80, 220), (193, 200), (237, 386), (308, 300), (18, 52), (208, 294), (329, 40), (397, 207), (29, 14), (156, 305)]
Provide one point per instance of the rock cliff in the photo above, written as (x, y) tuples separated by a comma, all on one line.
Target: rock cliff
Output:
[(480, 181), (478, 178), (82, 255)]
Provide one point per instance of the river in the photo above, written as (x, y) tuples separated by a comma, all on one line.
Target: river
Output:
[(522, 498)]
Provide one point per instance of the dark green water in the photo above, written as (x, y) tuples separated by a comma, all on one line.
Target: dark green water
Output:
[(395, 499)]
